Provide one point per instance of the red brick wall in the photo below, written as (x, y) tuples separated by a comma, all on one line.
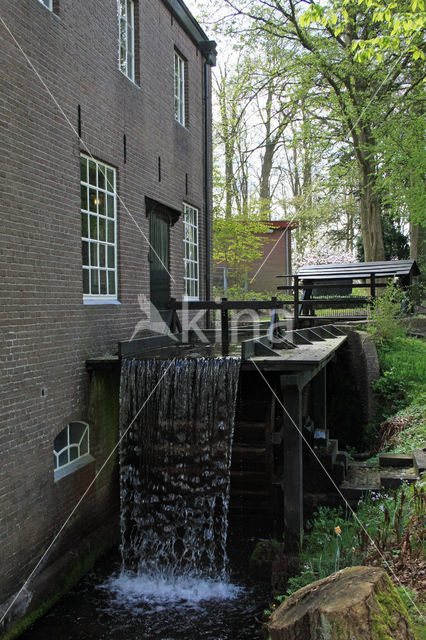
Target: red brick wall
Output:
[(273, 262), (46, 331)]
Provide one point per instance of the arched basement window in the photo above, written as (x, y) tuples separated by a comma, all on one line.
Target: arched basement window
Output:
[(71, 449)]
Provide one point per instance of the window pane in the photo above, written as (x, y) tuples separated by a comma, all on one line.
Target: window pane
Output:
[(76, 431), (103, 282), (63, 458), (73, 453), (85, 252), (102, 229), (111, 257), (111, 283), (123, 58), (101, 177), (61, 440), (84, 225), (110, 206), (102, 255), (93, 254), (110, 179), (93, 201), (93, 227), (83, 169), (92, 172), (110, 231), (86, 286), (83, 191), (101, 203), (84, 443), (94, 284)]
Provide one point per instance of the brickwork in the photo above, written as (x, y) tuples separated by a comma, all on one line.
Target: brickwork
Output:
[(275, 260), (46, 331)]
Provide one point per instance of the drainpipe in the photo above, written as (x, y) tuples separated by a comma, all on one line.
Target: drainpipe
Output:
[(208, 48)]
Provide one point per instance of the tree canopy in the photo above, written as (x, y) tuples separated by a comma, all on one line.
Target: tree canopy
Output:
[(329, 117)]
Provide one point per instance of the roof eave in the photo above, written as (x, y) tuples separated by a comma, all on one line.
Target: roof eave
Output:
[(189, 24)]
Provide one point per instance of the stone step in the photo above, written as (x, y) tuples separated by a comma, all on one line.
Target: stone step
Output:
[(419, 457), (398, 476), (396, 460), (364, 477)]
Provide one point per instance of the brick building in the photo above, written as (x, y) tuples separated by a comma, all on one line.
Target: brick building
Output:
[(105, 197), (274, 259)]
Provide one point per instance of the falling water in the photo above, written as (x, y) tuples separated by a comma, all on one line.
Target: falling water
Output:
[(175, 472)]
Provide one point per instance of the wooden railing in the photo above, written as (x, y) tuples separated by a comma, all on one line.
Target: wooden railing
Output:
[(302, 306)]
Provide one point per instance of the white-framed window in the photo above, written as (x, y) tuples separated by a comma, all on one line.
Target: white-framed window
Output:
[(180, 89), (126, 37), (48, 4), (98, 230), (71, 449), (190, 240)]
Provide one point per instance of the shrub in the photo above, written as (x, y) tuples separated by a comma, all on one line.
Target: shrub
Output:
[(384, 316)]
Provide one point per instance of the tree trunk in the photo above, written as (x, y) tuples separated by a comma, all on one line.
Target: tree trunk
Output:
[(370, 210), (358, 602)]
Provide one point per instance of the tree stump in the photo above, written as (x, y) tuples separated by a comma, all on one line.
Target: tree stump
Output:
[(356, 603)]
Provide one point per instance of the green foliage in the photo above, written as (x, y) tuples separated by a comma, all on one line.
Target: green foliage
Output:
[(385, 315), (335, 539), (237, 241), (406, 358), (416, 608), (391, 392), (399, 25)]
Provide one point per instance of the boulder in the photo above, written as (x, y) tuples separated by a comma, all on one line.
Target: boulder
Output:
[(356, 603)]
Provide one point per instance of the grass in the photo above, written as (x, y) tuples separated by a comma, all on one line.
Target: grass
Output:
[(401, 395)]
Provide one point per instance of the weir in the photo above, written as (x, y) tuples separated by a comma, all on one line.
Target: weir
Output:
[(177, 421)]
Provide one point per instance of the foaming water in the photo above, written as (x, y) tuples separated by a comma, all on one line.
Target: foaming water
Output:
[(134, 592)]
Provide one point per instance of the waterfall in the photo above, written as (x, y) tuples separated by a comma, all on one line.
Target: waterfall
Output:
[(175, 465)]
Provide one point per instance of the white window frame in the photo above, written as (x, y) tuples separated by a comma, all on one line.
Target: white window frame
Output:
[(179, 82), (126, 38), (98, 230), (47, 3), (191, 252), (81, 459)]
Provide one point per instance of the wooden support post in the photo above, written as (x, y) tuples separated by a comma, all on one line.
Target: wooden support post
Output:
[(293, 467), (296, 302), (224, 320), (372, 286)]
